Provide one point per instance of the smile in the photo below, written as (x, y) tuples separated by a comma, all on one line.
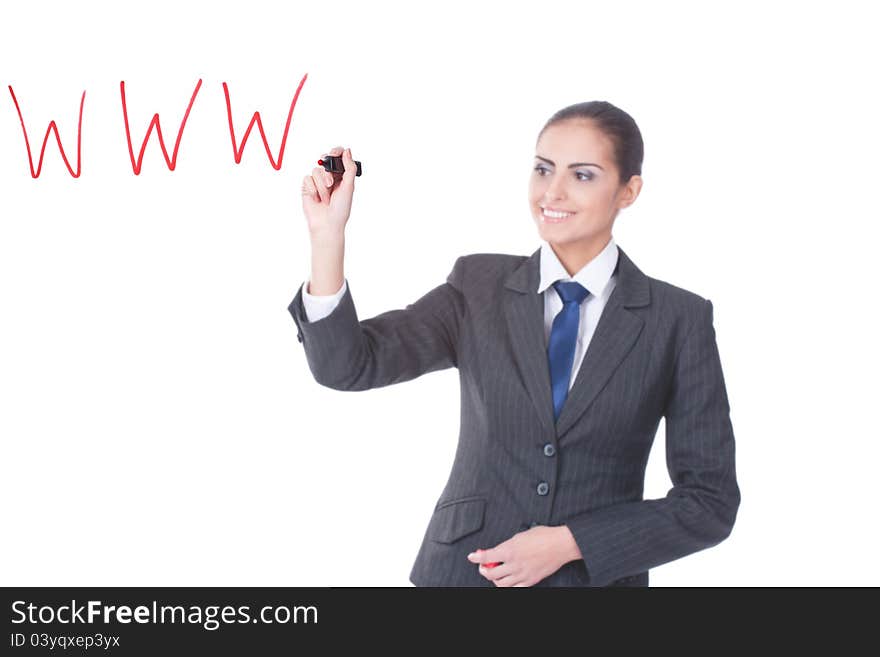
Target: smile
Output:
[(553, 217)]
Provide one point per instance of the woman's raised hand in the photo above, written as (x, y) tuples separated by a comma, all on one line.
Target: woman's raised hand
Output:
[(327, 196)]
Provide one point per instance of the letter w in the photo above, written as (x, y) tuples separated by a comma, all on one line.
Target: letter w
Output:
[(237, 151), (52, 127), (172, 162)]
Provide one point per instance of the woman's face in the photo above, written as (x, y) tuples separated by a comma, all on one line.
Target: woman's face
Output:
[(575, 173)]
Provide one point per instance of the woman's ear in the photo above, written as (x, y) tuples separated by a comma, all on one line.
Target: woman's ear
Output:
[(630, 191)]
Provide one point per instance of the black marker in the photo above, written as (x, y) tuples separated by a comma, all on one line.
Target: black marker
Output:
[(333, 164)]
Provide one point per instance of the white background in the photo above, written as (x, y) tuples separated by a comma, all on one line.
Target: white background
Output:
[(159, 422)]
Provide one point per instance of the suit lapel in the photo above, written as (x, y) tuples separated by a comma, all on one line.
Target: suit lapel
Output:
[(524, 310), (613, 339)]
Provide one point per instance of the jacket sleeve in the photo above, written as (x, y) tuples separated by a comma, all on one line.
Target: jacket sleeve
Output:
[(347, 354), (699, 511)]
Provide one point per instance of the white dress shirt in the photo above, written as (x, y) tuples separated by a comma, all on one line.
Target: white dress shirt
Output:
[(597, 276)]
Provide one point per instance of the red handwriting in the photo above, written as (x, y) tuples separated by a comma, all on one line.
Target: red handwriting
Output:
[(237, 152), (171, 162), (52, 127), (136, 166)]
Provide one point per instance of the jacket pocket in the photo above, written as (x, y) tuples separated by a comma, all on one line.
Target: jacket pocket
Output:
[(456, 519)]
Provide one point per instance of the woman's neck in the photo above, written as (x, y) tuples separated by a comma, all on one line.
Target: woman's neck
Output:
[(574, 256)]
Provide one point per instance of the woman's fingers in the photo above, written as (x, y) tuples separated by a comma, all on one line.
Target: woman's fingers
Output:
[(321, 182), (320, 179), (336, 151), (309, 189), (350, 168), (505, 580), (496, 572)]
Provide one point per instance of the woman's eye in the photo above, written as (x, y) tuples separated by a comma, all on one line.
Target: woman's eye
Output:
[(581, 175)]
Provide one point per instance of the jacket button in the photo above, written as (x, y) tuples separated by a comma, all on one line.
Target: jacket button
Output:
[(299, 336), (543, 488), (549, 449)]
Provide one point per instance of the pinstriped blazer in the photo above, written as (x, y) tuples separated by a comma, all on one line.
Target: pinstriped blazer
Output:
[(653, 355)]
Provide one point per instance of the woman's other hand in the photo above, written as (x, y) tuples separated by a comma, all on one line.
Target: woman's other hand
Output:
[(528, 556)]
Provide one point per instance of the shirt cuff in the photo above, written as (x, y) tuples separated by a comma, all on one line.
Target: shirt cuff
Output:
[(319, 306)]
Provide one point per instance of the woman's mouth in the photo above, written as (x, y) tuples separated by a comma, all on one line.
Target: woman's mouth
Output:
[(554, 216)]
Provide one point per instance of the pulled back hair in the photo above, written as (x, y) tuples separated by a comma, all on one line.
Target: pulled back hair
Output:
[(617, 125)]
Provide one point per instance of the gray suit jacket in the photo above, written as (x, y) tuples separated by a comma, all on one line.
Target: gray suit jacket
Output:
[(653, 355)]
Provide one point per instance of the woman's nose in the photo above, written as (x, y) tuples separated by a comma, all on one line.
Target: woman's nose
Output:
[(556, 189)]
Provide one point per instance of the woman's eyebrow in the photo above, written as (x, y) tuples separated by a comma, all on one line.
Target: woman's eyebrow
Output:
[(575, 164)]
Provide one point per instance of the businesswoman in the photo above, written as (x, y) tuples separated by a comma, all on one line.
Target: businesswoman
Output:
[(568, 359)]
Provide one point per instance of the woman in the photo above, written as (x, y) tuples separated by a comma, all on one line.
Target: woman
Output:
[(568, 359)]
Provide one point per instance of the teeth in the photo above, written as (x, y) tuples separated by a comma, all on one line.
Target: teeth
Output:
[(556, 215)]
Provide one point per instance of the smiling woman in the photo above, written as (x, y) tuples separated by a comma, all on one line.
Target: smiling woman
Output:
[(588, 168), (568, 360)]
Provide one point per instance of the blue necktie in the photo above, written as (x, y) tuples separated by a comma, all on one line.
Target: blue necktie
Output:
[(563, 337)]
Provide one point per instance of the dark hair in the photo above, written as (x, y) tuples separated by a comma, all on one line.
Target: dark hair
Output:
[(618, 126)]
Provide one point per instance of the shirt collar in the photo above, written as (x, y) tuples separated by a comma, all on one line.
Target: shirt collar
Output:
[(594, 275)]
